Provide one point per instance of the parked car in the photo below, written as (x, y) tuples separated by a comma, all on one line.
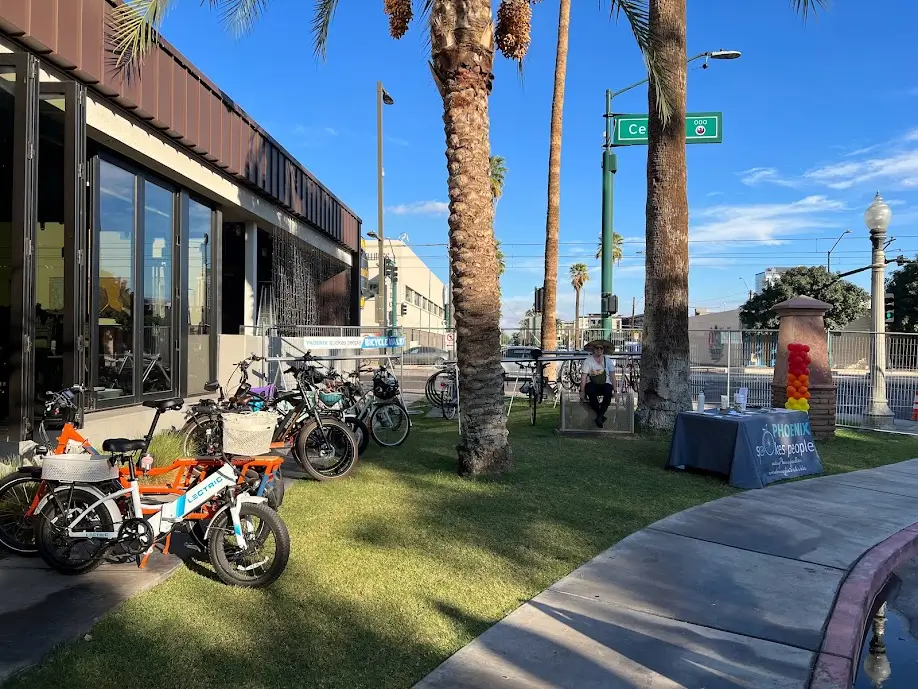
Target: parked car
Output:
[(425, 356), (511, 368)]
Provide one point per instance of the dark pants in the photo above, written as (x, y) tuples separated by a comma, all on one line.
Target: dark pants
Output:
[(594, 391)]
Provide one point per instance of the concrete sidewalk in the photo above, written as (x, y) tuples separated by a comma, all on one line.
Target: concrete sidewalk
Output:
[(734, 593), (41, 609)]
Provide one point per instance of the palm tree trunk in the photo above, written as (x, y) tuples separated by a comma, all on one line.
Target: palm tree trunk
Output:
[(553, 216), (462, 52), (665, 363), (576, 319)]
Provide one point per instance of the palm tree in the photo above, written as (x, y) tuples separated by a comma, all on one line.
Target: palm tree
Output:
[(636, 14), (580, 275), (462, 47), (497, 174), (617, 241), (665, 369)]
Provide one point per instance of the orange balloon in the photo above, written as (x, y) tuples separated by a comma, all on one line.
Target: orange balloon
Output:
[(803, 380), (806, 395), (791, 378), (791, 392)]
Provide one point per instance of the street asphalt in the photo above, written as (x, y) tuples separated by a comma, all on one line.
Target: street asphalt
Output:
[(728, 595)]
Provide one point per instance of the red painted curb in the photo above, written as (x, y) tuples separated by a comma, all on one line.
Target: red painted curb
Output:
[(836, 664)]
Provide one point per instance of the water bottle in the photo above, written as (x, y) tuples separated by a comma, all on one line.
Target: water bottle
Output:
[(700, 408)]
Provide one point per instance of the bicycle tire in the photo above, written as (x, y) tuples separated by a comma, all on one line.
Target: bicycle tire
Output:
[(220, 559), (434, 392), (532, 407), (346, 447), (17, 532), (193, 425), (403, 424), (47, 532), (361, 432)]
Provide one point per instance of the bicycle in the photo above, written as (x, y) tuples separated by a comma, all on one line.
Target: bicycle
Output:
[(21, 491), (442, 390), (81, 510)]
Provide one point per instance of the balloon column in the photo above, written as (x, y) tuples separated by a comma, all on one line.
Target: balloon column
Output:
[(798, 377)]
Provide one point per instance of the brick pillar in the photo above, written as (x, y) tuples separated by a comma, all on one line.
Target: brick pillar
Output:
[(802, 320)]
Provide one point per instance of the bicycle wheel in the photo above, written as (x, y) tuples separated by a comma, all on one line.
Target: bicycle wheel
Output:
[(17, 531), (573, 374), (532, 406), (361, 432), (267, 547), (329, 455), (202, 437), (71, 555), (389, 425)]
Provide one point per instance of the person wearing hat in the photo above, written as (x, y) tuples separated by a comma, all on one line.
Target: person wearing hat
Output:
[(597, 378)]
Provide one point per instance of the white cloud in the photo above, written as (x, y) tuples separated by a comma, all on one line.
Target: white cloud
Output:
[(331, 131), (766, 222), (897, 169), (421, 208), (763, 175), (714, 193), (397, 141)]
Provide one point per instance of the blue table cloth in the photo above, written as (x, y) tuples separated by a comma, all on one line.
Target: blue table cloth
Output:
[(753, 449)]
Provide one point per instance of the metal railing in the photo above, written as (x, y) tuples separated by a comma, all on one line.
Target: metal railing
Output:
[(722, 361)]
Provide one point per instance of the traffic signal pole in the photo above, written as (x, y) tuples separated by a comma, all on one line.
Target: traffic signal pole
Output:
[(609, 167)]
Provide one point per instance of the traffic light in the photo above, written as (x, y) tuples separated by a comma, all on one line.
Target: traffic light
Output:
[(404, 309), (539, 298), (890, 309)]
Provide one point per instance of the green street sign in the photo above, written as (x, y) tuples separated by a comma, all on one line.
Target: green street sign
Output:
[(700, 128)]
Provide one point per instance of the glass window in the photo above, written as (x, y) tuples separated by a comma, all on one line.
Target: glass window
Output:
[(115, 241), (199, 277), (158, 241)]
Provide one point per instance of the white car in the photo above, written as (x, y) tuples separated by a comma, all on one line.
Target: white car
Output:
[(511, 368)]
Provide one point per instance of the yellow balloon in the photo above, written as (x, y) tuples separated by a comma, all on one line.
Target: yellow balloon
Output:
[(789, 404), (804, 405)]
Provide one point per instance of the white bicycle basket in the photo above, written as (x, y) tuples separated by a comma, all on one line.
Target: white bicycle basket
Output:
[(248, 434), (77, 468)]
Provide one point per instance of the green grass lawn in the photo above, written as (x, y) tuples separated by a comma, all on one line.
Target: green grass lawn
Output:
[(395, 569)]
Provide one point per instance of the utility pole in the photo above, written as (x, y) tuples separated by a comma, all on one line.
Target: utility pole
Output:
[(609, 168), (382, 98)]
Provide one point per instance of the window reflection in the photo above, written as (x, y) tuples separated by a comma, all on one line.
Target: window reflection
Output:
[(199, 276), (157, 288), (115, 240)]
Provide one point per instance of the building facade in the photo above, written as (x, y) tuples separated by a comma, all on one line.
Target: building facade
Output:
[(419, 300), (768, 277), (142, 219)]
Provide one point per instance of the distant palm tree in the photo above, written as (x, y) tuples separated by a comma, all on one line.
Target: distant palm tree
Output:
[(616, 247), (580, 275), (497, 175)]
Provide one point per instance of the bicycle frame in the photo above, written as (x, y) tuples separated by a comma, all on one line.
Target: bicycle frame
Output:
[(164, 518)]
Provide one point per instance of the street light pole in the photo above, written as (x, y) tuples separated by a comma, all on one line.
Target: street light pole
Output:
[(829, 252), (609, 168), (878, 414), (382, 98)]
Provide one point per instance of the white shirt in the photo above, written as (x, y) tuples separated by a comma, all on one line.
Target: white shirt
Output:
[(591, 367)]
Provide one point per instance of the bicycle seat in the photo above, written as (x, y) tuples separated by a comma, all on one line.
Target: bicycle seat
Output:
[(120, 446), (212, 386), (165, 405)]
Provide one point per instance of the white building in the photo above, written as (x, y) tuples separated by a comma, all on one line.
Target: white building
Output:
[(767, 278), (420, 299)]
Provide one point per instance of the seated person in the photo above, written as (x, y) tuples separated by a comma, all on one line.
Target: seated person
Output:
[(597, 379)]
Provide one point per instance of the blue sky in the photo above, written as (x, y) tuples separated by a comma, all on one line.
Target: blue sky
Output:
[(817, 118)]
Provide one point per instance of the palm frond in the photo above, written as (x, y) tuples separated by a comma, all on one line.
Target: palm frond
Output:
[(239, 16), (132, 28), (806, 7), (638, 16), (322, 18)]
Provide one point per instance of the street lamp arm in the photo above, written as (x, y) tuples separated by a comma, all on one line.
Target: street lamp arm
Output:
[(646, 79)]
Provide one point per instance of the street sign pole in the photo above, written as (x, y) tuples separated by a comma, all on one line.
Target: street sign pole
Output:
[(609, 167)]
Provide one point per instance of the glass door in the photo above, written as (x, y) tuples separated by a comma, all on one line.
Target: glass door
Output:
[(61, 274), (18, 186)]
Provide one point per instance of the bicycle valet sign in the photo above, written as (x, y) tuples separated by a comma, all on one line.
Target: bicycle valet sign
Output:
[(356, 342), (785, 450), (700, 128)]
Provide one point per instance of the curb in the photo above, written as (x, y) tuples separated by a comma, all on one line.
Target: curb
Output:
[(836, 663)]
